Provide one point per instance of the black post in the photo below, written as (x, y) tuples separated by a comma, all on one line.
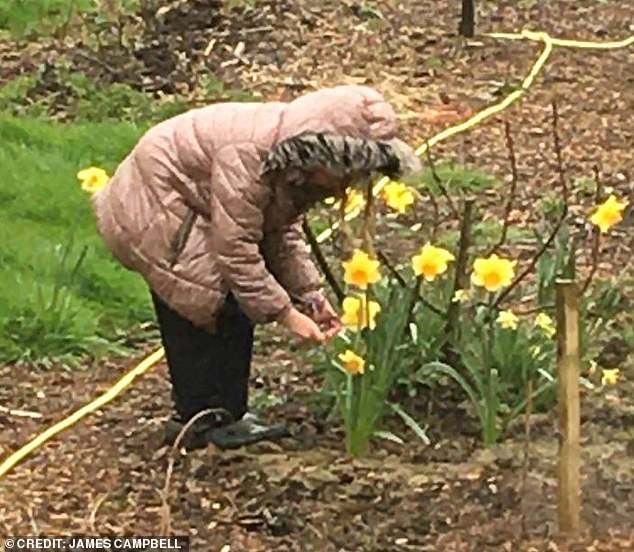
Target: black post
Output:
[(467, 22)]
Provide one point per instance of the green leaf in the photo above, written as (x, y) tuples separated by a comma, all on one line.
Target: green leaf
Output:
[(411, 423), (388, 436)]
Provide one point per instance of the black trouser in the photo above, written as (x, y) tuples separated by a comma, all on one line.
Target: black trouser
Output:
[(207, 370)]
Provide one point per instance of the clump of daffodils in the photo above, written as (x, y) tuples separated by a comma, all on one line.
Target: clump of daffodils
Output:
[(493, 273), (608, 213), (431, 262), (361, 270), (398, 196), (352, 362), (360, 314), (93, 179)]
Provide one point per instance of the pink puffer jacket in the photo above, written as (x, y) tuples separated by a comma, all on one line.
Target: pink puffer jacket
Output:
[(201, 169)]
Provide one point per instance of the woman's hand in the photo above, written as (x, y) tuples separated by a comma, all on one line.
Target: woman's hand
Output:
[(326, 317), (302, 325)]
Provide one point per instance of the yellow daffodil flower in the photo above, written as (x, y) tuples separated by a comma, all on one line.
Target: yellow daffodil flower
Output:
[(352, 362), (354, 200), (493, 273), (431, 261), (398, 196), (355, 313), (608, 213), (360, 270), (545, 322), (507, 320), (461, 296), (610, 377), (93, 179)]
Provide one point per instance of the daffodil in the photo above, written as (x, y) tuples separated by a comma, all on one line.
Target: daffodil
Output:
[(610, 377), (356, 312), (609, 213), (93, 179), (360, 270), (431, 261), (493, 273), (352, 362), (398, 196), (461, 296), (507, 320), (354, 200), (545, 322)]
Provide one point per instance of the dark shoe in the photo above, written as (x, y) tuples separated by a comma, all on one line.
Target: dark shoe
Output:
[(230, 435), (196, 435), (246, 431)]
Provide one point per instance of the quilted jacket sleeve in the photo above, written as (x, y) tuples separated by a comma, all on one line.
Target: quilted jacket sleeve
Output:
[(237, 205), (289, 260)]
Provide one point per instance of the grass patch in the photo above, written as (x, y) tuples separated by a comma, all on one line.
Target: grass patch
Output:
[(22, 17), (61, 292)]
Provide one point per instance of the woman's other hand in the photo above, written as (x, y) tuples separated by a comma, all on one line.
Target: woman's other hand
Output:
[(303, 326)]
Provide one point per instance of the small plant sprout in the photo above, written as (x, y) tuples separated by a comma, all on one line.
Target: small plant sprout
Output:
[(361, 270), (609, 213), (431, 262), (93, 179), (493, 273)]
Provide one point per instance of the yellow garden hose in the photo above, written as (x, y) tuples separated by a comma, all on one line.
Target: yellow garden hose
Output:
[(549, 43), (147, 363), (89, 408)]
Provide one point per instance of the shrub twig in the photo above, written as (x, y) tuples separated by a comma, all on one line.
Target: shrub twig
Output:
[(438, 181), (166, 518), (509, 204), (322, 262), (551, 238), (596, 238), (460, 280), (560, 164)]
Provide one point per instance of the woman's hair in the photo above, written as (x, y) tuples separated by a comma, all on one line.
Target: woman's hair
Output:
[(341, 155)]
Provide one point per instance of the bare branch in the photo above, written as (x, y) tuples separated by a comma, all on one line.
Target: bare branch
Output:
[(564, 190), (596, 237), (322, 262), (560, 163), (166, 519), (441, 186), (509, 204), (460, 281)]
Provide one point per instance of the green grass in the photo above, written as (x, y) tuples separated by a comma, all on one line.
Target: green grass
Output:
[(21, 17), (61, 292)]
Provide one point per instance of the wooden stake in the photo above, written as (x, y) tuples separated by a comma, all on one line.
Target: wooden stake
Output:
[(569, 487)]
